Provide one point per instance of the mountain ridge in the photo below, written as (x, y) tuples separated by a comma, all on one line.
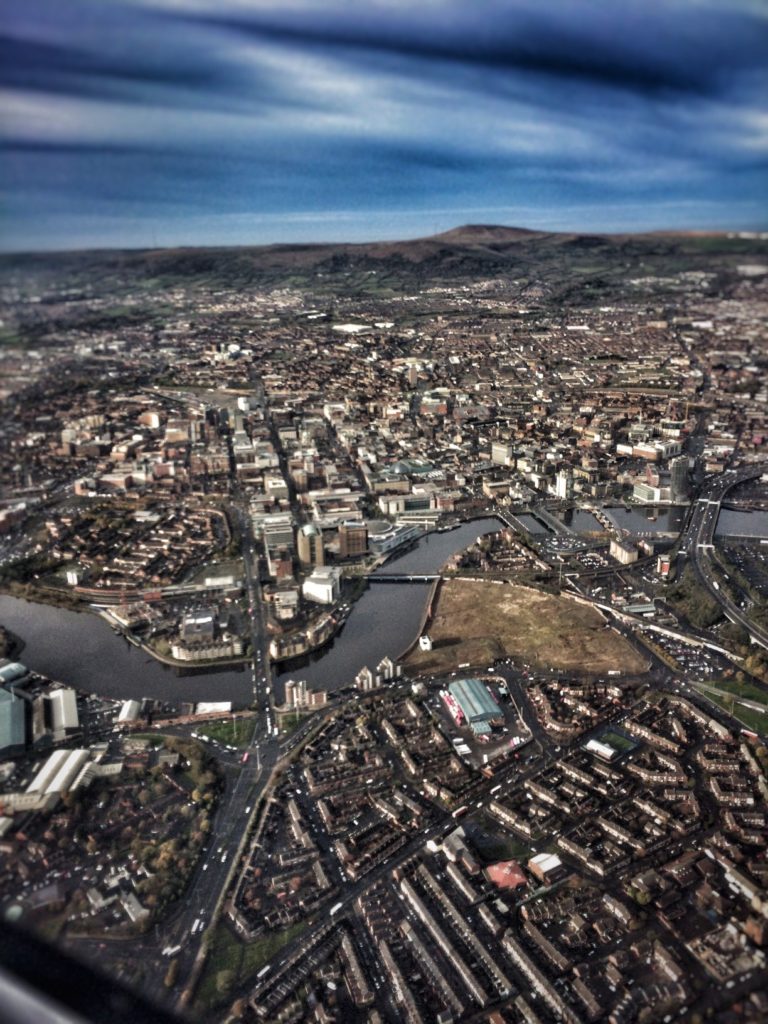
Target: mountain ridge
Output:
[(550, 263)]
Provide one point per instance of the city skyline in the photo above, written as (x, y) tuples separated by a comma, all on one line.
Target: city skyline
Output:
[(177, 123)]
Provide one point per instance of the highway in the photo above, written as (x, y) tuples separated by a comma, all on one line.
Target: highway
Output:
[(244, 784), (697, 542)]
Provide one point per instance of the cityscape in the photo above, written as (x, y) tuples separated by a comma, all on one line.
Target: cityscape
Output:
[(385, 626), (384, 512)]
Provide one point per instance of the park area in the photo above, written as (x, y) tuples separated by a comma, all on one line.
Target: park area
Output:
[(478, 623)]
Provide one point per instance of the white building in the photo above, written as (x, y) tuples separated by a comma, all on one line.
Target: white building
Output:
[(387, 668), (365, 679), (323, 585), (564, 484), (130, 711), (59, 772), (502, 454), (64, 716), (623, 551)]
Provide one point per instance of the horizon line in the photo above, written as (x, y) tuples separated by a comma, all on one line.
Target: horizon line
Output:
[(746, 233)]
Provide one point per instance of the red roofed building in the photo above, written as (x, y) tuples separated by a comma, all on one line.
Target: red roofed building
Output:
[(507, 874)]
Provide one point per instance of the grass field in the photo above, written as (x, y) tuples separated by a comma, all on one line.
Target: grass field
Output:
[(480, 622), (235, 733), (242, 961), (618, 741), (729, 690)]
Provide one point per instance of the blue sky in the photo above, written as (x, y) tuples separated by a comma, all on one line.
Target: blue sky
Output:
[(189, 122)]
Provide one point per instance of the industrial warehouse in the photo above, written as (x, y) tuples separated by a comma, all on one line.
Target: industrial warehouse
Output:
[(478, 707)]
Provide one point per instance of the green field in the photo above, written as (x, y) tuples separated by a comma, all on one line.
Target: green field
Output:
[(728, 692), (232, 963), (618, 741), (235, 732)]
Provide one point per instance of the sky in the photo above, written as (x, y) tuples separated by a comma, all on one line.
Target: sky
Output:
[(145, 123)]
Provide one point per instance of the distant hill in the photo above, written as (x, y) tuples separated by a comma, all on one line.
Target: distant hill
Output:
[(485, 234), (548, 264)]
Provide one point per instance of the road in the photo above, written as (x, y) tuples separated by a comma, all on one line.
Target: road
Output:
[(245, 781), (697, 542)]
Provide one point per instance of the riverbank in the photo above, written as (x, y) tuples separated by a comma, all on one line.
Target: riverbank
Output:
[(37, 594), (11, 645)]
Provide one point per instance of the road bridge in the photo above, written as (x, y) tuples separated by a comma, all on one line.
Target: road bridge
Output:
[(697, 543), (396, 577)]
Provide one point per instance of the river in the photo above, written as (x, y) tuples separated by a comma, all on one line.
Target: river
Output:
[(648, 520), (81, 649), (740, 523)]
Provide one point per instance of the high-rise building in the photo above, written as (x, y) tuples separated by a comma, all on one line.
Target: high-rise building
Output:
[(502, 454), (365, 680), (310, 545), (387, 669), (353, 540), (680, 486), (564, 484)]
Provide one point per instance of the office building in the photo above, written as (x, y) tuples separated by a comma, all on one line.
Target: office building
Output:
[(680, 485), (310, 545), (353, 540)]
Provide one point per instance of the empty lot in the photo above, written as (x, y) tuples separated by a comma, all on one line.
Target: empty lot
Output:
[(480, 622)]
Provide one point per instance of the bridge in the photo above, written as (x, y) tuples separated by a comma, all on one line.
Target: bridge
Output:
[(697, 542), (396, 577)]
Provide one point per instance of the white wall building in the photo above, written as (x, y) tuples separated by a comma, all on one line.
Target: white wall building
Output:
[(323, 585)]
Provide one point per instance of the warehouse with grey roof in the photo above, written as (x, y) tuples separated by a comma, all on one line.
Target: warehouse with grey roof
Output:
[(479, 707)]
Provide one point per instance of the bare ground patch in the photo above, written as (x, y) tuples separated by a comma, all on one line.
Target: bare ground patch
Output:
[(477, 622)]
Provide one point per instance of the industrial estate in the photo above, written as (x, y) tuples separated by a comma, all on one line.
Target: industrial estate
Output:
[(385, 628)]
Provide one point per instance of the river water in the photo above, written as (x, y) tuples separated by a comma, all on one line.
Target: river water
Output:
[(580, 521), (649, 520), (81, 649), (385, 619), (736, 523)]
